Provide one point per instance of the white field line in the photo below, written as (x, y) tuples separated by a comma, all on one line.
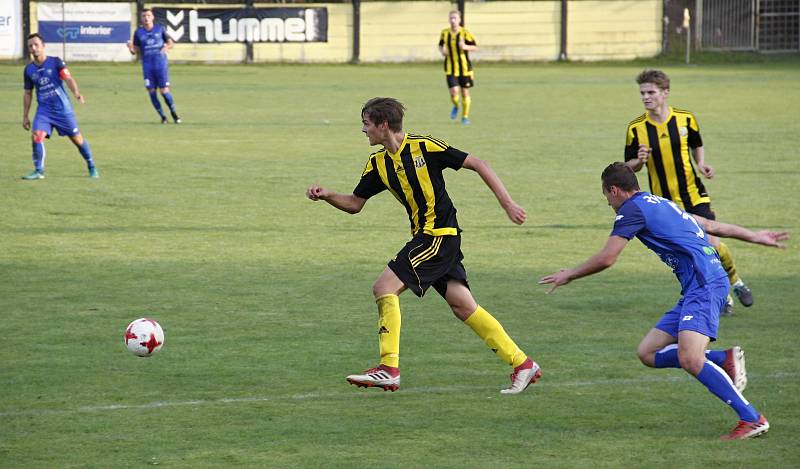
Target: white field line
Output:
[(354, 392)]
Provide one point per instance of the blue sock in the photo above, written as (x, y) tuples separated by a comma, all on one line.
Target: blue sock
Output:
[(716, 356), (156, 103), (38, 156), (168, 99), (715, 379), (667, 357), (86, 153)]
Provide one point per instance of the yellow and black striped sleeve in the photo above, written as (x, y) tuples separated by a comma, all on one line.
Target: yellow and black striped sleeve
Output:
[(693, 139), (632, 138), (370, 183), (469, 39), (440, 154)]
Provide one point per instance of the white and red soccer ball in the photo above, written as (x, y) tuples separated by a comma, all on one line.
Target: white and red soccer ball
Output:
[(144, 337)]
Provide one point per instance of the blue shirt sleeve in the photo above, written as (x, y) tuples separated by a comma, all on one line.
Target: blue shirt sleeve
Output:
[(136, 41), (28, 82), (629, 222)]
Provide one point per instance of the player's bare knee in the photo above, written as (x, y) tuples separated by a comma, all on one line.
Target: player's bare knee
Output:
[(690, 363), (38, 136), (461, 311), (646, 356), (379, 289)]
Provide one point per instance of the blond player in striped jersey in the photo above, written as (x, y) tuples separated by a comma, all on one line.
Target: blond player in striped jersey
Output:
[(411, 168)]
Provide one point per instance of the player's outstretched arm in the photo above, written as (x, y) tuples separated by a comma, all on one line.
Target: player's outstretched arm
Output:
[(349, 203), (728, 230), (600, 261), (515, 212)]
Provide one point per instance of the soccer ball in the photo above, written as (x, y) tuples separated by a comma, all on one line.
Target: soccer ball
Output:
[(144, 337)]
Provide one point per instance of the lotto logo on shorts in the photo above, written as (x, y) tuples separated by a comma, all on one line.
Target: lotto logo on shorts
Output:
[(687, 318)]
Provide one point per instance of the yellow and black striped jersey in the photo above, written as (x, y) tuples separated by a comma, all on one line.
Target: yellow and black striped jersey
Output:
[(414, 177), (670, 168), (457, 62)]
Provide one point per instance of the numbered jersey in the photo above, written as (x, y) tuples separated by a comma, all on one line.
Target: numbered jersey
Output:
[(671, 233)]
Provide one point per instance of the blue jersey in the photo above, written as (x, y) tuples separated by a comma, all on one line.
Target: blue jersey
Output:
[(150, 44), (49, 83), (673, 234)]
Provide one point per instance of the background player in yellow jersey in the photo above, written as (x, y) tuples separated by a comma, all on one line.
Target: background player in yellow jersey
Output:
[(410, 167), (667, 140), (455, 43)]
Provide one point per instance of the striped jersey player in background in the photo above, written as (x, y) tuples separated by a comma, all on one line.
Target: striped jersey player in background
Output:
[(667, 140), (455, 44)]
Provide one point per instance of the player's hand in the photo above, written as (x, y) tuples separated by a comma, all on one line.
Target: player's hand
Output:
[(80, 98), (707, 171), (317, 192), (26, 123), (644, 153), (516, 213), (771, 238), (556, 279)]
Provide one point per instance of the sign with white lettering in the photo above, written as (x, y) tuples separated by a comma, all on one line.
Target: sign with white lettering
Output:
[(215, 25)]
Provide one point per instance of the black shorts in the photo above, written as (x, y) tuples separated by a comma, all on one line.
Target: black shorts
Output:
[(430, 260), (464, 82), (704, 210)]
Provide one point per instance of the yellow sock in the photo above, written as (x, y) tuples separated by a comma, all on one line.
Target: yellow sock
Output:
[(727, 262), (389, 329), (454, 100), (493, 334), (467, 104)]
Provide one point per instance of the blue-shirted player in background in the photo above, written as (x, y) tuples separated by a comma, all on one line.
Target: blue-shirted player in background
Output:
[(48, 75), (680, 338), (151, 42)]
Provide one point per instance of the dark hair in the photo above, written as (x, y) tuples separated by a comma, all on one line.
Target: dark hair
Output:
[(146, 9), (656, 77), (380, 110), (33, 35), (620, 175)]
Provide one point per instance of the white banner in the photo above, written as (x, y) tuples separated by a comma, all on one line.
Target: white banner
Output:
[(84, 11), (10, 29), (86, 31)]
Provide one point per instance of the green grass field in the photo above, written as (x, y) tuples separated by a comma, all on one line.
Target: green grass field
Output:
[(265, 296)]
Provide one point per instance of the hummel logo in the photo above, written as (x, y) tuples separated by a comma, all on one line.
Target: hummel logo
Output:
[(383, 330), (688, 317), (618, 217)]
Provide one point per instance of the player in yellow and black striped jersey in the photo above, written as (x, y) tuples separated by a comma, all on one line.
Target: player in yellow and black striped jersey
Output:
[(667, 140), (455, 44), (411, 167)]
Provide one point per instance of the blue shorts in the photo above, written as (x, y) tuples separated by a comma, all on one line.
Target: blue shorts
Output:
[(697, 310), (66, 124), (155, 77)]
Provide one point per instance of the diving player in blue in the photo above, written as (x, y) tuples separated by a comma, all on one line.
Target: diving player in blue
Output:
[(48, 75), (151, 42), (680, 338)]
